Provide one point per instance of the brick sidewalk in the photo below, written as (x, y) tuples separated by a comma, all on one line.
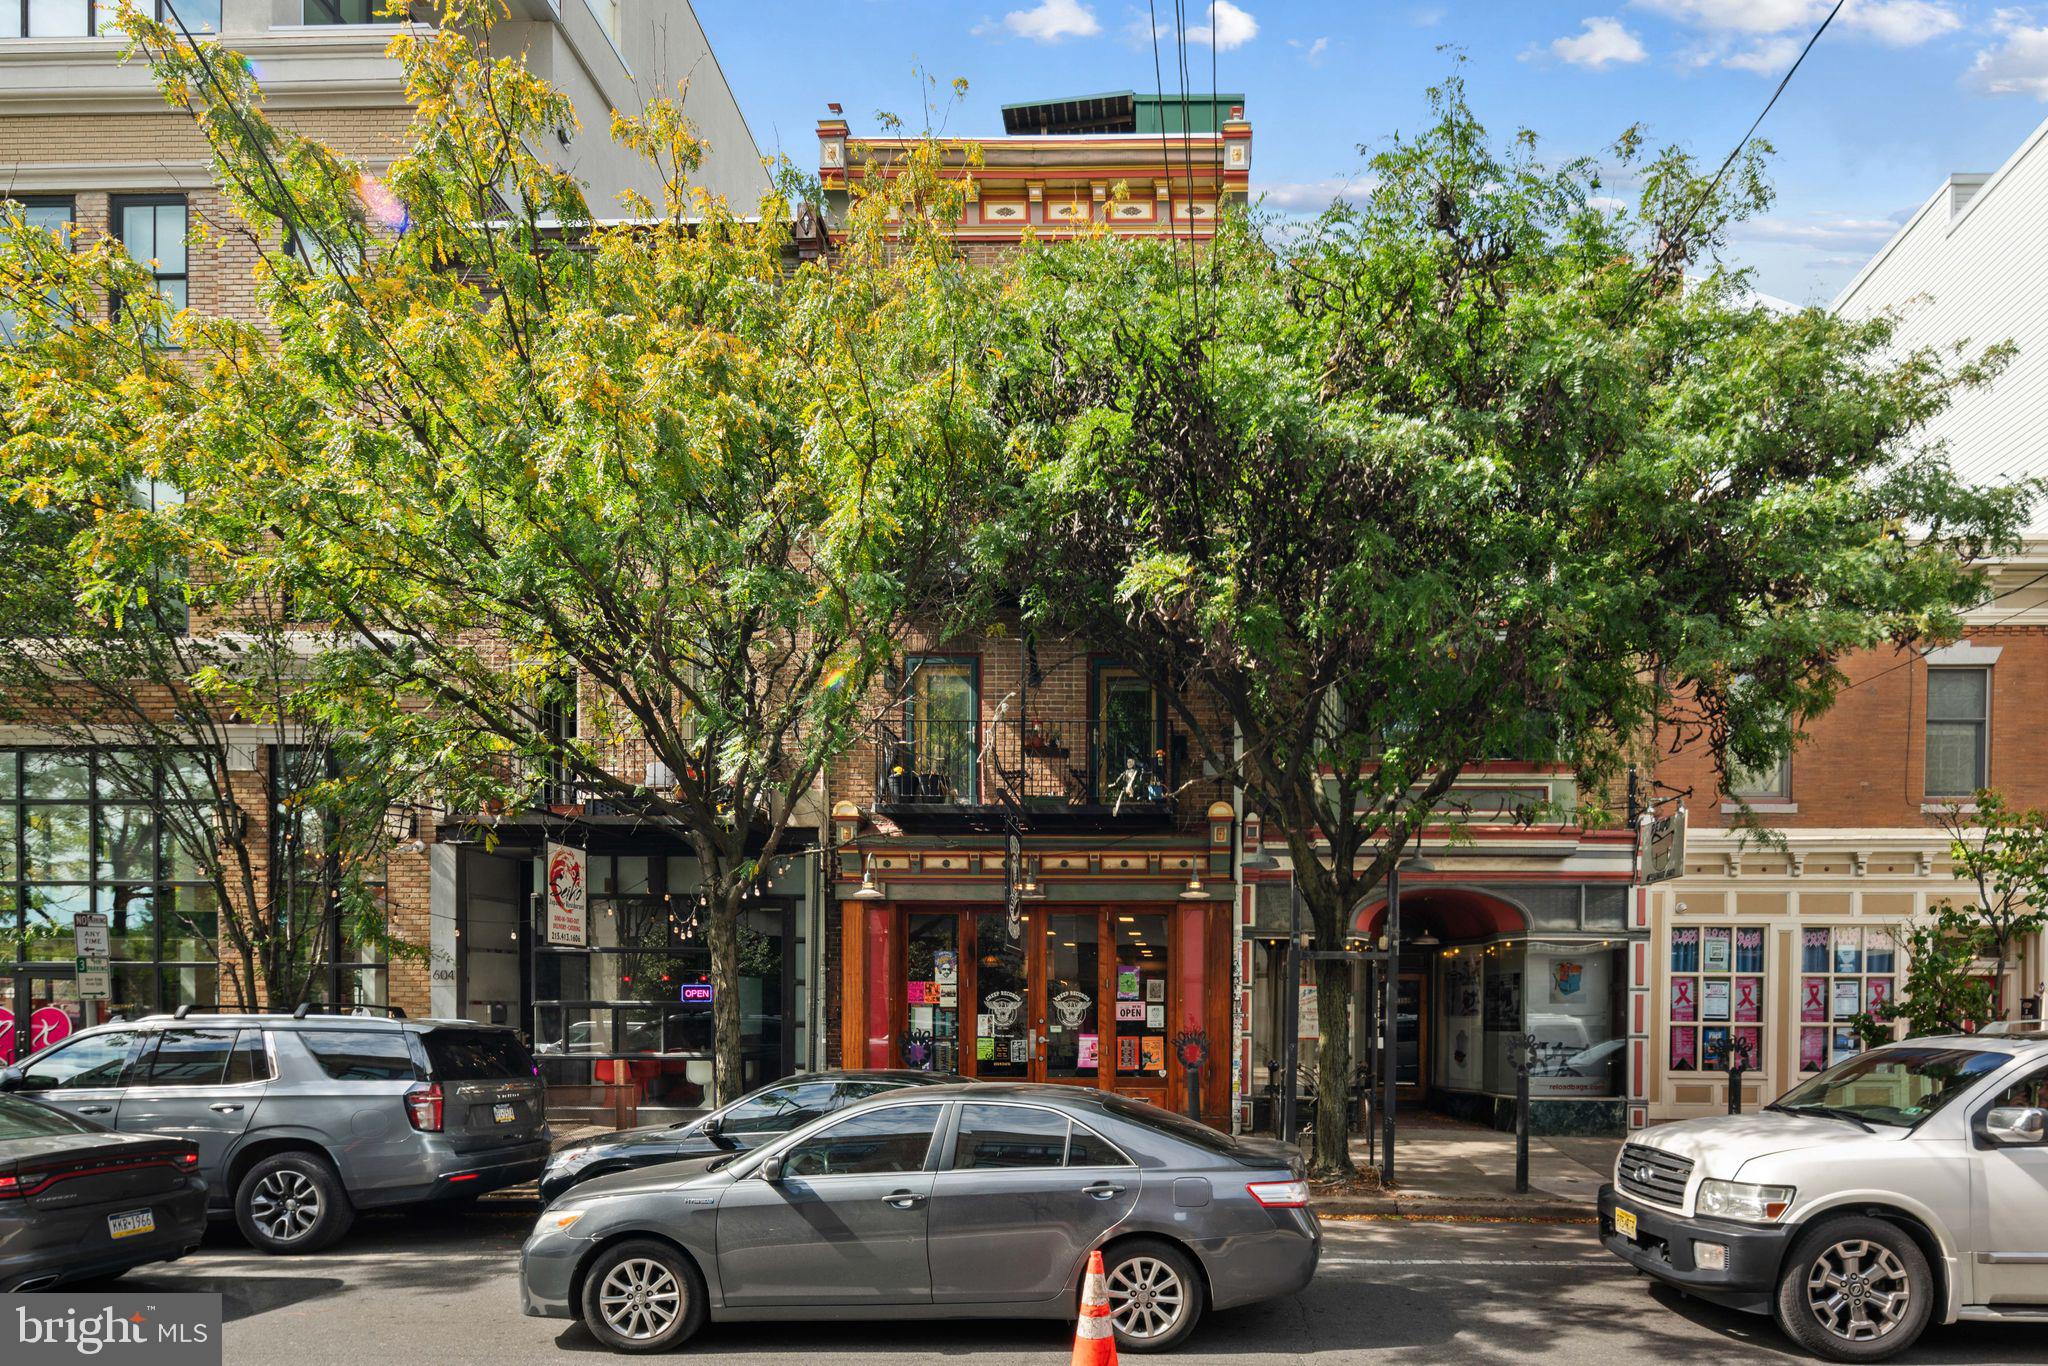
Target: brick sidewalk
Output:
[(1464, 1171)]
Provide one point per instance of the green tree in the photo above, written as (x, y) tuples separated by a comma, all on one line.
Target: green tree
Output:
[(530, 463), (2002, 850), (1943, 992), (1472, 468)]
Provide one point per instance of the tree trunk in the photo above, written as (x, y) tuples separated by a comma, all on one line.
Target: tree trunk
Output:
[(1333, 1068), (724, 934)]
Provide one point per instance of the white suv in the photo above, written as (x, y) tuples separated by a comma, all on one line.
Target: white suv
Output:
[(1905, 1186)]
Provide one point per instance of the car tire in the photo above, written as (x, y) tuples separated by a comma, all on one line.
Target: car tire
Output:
[(1855, 1290), (292, 1204), (628, 1293), (1156, 1295)]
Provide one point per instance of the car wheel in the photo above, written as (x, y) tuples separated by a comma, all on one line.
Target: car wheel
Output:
[(1155, 1295), (642, 1296), (1855, 1290), (292, 1203)]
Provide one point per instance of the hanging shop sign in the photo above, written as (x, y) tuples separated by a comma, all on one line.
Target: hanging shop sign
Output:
[(1660, 847), (567, 897)]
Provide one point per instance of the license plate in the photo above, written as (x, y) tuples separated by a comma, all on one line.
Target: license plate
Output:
[(504, 1114), (1625, 1224), (129, 1224)]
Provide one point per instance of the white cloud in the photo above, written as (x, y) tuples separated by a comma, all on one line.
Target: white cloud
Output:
[(2018, 63), (1426, 16), (1770, 57), (1312, 53), (1825, 232), (1602, 40), (1895, 23), (1048, 22), (1228, 27), (1307, 196), (1606, 203)]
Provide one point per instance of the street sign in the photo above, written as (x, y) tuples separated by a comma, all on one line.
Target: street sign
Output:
[(1660, 846), (89, 935)]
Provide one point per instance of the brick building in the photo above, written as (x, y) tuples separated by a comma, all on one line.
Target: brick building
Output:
[(88, 148), (1774, 945)]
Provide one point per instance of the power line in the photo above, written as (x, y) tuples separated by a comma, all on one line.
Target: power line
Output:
[(1165, 153), (1916, 656)]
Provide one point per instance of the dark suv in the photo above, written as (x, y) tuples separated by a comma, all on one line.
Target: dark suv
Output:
[(303, 1119)]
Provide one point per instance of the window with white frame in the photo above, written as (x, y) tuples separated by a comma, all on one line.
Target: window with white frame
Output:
[(1716, 997), (1770, 782), (49, 213)]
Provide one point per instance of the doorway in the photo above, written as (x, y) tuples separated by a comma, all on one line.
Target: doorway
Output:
[(39, 1007), (1077, 996), (1411, 1038)]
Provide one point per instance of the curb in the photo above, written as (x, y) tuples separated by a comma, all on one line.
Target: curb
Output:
[(1417, 1207)]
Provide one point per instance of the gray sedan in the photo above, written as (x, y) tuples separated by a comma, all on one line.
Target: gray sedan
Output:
[(944, 1202)]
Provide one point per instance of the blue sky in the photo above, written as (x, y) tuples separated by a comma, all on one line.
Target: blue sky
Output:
[(1898, 93)]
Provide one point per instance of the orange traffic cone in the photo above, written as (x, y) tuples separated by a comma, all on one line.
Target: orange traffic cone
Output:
[(1094, 1343)]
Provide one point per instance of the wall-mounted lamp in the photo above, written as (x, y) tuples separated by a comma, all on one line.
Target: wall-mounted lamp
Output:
[(868, 890)]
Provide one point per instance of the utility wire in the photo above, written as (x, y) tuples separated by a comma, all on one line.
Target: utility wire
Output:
[(1165, 154), (1917, 655)]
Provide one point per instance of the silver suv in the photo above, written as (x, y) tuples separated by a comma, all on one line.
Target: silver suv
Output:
[(303, 1119)]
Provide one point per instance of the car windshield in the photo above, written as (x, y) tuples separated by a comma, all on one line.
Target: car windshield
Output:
[(21, 1119), (1895, 1086)]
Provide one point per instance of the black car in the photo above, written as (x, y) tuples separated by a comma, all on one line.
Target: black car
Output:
[(751, 1120), (78, 1201)]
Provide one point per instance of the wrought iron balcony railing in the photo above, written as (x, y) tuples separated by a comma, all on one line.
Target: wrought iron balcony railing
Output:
[(1033, 765)]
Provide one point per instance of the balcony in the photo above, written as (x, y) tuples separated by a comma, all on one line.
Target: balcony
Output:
[(980, 774)]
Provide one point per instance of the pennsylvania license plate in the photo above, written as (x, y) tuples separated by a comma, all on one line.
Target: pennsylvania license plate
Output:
[(1625, 1224), (129, 1224), (504, 1114)]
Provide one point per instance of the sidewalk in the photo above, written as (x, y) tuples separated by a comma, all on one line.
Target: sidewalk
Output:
[(1463, 1171)]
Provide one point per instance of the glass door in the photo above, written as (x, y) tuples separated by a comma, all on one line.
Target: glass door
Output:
[(38, 1008), (1411, 1039)]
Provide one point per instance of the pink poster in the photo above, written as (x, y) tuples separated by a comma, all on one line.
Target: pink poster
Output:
[(1813, 999), (49, 1025), (1878, 991), (1749, 998), (1091, 1051), (1683, 1006), (923, 993), (1813, 1050), (1684, 1050), (6, 1037), (1750, 1044)]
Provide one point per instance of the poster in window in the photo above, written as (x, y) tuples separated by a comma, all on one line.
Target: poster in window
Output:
[(1715, 999), (1504, 1000), (1813, 951), (1813, 999), (1155, 1017), (1847, 1045), (1683, 1044), (1715, 946), (923, 993), (949, 995), (1155, 990), (1848, 950), (1813, 1050), (1685, 1003), (1091, 1051), (1685, 950), (985, 1049), (1749, 1005), (1127, 984), (1308, 1005), (1751, 1044), (1154, 1053), (1130, 1012), (1020, 1050), (1127, 1054), (1848, 998), (1876, 992), (1714, 1046), (945, 967), (1749, 950)]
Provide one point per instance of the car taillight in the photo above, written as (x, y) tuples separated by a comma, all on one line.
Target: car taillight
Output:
[(1279, 1194), (10, 1187), (423, 1108), (190, 1159)]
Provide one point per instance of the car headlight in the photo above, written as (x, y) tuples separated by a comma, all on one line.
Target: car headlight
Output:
[(1742, 1201), (571, 1158)]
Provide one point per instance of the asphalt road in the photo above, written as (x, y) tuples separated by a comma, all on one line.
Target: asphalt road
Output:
[(440, 1289)]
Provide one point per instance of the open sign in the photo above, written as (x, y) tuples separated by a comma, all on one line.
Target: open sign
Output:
[(696, 993)]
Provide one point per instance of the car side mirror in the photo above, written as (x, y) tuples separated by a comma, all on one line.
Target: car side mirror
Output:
[(771, 1170), (10, 1079), (711, 1127), (2017, 1126)]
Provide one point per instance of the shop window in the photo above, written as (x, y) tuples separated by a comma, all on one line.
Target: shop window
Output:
[(941, 721), (1843, 973), (1002, 1027), (931, 993), (1575, 1014), (1141, 995), (1958, 722), (1716, 997)]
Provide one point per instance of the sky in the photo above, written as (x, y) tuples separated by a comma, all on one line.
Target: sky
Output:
[(1896, 96)]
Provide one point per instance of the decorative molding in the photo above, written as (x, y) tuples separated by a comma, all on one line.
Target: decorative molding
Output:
[(1965, 655)]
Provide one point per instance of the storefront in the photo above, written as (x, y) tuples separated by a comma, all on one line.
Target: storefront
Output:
[(630, 1007), (1484, 966), (1113, 960)]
